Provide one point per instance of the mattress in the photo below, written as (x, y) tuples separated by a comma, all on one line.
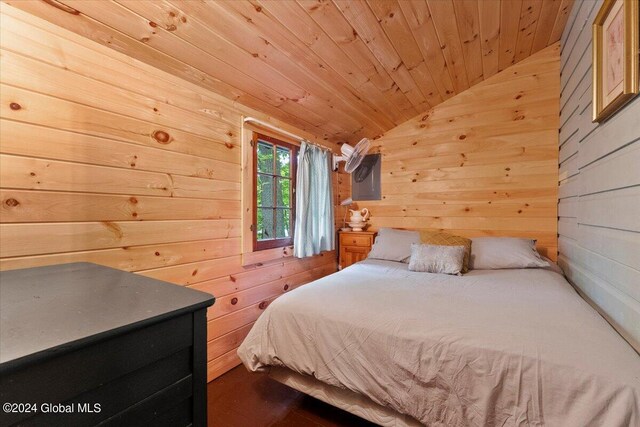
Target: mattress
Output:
[(342, 398), (492, 347)]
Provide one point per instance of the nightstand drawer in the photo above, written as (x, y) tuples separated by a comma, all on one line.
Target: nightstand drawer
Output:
[(352, 239), (352, 254)]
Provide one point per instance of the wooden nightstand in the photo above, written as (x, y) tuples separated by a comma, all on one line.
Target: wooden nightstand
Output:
[(354, 246)]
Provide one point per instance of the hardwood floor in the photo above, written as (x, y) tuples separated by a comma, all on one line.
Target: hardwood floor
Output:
[(240, 398)]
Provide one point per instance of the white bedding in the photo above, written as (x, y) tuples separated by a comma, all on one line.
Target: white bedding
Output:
[(493, 347)]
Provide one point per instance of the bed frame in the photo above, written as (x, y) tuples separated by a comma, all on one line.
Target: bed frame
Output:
[(344, 399)]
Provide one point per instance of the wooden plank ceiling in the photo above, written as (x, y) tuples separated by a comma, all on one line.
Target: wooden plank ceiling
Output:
[(341, 69)]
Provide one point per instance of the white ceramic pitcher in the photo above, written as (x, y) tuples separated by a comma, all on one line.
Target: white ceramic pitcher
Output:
[(359, 216)]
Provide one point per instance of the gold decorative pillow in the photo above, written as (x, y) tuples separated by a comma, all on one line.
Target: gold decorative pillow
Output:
[(433, 237)]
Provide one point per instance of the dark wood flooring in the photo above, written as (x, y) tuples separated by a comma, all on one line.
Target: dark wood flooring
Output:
[(241, 398)]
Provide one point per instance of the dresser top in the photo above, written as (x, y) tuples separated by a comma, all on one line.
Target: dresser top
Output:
[(49, 310)]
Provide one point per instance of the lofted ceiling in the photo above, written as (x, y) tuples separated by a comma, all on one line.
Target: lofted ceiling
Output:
[(340, 69)]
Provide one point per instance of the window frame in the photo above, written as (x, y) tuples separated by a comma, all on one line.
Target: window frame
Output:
[(294, 149)]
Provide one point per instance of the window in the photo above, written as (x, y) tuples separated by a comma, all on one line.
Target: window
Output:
[(275, 164)]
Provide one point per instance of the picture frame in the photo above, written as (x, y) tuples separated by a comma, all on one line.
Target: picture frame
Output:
[(615, 57)]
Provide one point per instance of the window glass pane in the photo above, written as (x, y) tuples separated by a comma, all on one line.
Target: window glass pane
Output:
[(283, 192), (274, 193), (264, 229), (265, 157), (283, 161), (283, 223), (265, 190)]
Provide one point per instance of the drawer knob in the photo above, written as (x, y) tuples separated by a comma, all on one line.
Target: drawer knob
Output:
[(262, 305), (234, 301), (286, 287)]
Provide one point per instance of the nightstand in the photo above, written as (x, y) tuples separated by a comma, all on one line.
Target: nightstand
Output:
[(354, 246)]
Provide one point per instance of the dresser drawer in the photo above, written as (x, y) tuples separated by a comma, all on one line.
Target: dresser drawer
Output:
[(352, 239)]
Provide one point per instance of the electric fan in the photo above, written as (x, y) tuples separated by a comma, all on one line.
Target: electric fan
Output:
[(352, 155)]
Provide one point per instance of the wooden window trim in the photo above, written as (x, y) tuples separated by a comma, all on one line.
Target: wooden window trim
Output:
[(274, 243)]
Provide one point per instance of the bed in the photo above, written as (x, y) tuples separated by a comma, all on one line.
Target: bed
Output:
[(492, 347)]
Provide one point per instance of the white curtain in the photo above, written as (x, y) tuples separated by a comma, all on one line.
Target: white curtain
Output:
[(314, 229)]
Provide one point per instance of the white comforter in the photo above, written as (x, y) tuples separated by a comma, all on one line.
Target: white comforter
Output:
[(493, 347)]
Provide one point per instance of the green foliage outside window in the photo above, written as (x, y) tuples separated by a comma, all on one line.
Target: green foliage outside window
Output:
[(274, 195)]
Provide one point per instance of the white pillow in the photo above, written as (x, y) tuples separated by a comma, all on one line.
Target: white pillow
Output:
[(490, 253), (437, 258), (394, 245)]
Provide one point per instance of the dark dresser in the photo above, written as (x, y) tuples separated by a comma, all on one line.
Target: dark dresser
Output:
[(82, 345)]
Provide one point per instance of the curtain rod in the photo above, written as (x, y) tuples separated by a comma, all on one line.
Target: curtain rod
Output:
[(282, 131)]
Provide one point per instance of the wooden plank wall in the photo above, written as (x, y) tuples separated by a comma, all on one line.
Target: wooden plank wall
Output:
[(483, 162), (599, 208), (108, 160), (345, 69)]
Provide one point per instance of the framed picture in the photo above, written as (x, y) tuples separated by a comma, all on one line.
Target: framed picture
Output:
[(615, 57)]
